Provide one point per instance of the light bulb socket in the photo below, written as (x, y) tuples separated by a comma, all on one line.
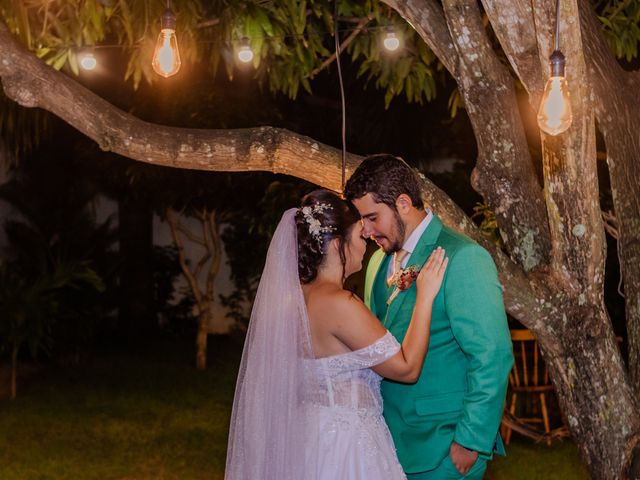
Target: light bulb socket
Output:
[(168, 20), (557, 62), (245, 43)]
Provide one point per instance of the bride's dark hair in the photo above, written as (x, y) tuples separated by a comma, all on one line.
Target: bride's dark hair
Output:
[(335, 218)]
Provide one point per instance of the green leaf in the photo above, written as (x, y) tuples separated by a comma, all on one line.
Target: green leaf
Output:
[(43, 51), (606, 22), (61, 59), (263, 20), (73, 62)]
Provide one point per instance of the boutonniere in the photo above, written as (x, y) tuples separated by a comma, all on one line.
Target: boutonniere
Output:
[(402, 280)]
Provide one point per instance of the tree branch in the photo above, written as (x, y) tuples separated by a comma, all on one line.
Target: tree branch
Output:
[(515, 26), (208, 23), (427, 17), (31, 83), (214, 234), (191, 279), (201, 263), (611, 224), (189, 234), (347, 41)]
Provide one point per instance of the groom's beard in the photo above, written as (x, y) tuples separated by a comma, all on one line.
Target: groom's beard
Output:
[(395, 243)]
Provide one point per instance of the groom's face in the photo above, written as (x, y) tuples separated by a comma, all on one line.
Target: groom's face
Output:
[(381, 223)]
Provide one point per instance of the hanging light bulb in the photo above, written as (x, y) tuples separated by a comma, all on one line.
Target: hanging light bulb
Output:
[(554, 115), (391, 42), (88, 61), (245, 54), (166, 57)]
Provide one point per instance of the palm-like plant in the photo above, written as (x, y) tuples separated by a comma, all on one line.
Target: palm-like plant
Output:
[(52, 268), (29, 306)]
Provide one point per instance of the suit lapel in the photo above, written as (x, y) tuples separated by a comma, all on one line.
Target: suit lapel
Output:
[(377, 263), (421, 253), (380, 280)]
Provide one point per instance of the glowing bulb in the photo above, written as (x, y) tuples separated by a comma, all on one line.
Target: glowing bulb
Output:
[(245, 54), (166, 57), (88, 61), (391, 42), (554, 115)]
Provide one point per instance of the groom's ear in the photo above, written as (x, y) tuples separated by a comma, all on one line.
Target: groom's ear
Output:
[(403, 204)]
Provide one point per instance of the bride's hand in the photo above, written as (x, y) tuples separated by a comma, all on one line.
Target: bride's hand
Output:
[(431, 274)]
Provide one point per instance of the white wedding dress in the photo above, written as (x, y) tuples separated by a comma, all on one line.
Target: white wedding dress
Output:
[(347, 437)]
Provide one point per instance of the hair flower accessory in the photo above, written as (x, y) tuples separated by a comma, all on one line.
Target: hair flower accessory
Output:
[(403, 279), (315, 227)]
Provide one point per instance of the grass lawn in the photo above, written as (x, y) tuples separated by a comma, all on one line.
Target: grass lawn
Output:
[(153, 416), (529, 461)]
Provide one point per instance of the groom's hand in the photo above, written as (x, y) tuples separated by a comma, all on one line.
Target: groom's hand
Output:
[(462, 458)]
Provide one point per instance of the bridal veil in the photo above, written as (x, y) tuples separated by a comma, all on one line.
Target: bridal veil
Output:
[(267, 432)]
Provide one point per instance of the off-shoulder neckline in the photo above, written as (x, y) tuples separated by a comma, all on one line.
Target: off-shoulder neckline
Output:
[(338, 355)]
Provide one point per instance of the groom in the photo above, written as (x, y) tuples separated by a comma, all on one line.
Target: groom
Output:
[(445, 425)]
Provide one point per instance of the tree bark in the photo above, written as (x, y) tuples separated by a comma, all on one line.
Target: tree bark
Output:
[(588, 376), (203, 291), (504, 172), (201, 340), (615, 91)]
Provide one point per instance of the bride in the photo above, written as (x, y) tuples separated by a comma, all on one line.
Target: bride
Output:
[(307, 404)]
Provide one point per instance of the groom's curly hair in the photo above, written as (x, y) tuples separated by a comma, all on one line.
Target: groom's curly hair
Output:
[(385, 177)]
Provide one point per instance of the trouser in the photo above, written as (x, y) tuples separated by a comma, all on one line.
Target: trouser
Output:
[(448, 471)]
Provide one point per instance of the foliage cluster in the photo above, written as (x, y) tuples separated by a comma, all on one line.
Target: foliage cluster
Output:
[(291, 39)]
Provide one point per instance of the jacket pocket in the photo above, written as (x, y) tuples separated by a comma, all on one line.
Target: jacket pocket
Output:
[(450, 402)]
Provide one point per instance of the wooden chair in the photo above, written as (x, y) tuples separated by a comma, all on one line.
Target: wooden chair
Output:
[(528, 377)]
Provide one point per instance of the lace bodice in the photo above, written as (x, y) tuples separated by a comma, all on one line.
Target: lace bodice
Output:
[(346, 380)]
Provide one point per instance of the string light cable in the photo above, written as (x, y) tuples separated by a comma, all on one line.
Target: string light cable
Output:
[(369, 29), (342, 99)]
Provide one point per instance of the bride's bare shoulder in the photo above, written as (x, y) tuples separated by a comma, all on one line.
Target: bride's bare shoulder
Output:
[(332, 299)]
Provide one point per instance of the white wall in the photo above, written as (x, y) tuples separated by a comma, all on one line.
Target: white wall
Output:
[(105, 207), (162, 236)]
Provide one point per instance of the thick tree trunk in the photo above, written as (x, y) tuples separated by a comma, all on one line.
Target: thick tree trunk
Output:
[(616, 91), (202, 337), (599, 408)]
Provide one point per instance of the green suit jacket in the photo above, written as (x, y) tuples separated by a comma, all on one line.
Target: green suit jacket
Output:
[(461, 390)]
